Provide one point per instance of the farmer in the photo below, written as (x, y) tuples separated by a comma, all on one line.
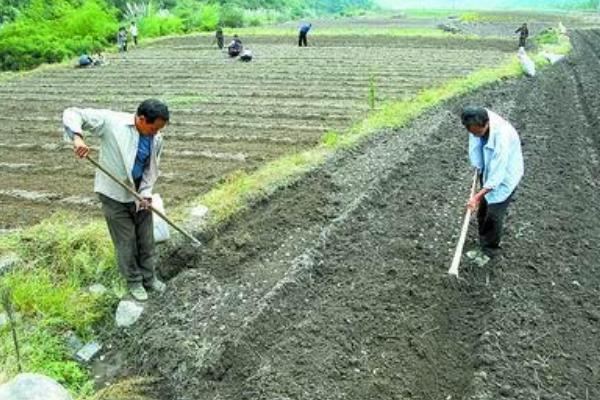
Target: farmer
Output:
[(130, 146), (235, 47), (133, 31), (246, 55), (523, 35), (304, 28), (122, 40), (85, 61), (219, 38), (495, 150)]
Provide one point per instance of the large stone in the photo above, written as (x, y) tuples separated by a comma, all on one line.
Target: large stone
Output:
[(33, 387), (128, 312)]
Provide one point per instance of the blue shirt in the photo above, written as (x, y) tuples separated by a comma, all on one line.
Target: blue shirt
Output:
[(141, 158), (305, 28), (500, 158)]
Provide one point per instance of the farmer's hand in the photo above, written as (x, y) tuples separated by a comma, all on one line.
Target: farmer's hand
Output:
[(474, 202), (81, 149), (145, 204)]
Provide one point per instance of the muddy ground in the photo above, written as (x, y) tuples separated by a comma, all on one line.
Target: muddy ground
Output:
[(336, 288)]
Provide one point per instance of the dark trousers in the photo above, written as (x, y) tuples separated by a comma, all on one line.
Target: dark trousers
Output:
[(302, 41), (220, 42), (135, 40), (522, 41), (132, 235), (491, 219)]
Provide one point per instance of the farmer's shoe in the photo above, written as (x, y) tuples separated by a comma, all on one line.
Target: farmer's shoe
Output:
[(156, 286), (478, 257), (138, 292)]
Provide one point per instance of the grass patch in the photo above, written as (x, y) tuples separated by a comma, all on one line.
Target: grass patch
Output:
[(59, 259)]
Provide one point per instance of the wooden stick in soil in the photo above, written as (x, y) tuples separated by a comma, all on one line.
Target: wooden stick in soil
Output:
[(7, 304), (463, 234), (195, 241)]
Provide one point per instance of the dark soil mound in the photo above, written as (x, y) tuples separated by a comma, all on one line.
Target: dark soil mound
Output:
[(336, 288)]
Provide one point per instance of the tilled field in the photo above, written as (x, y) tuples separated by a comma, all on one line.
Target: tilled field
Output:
[(336, 288), (226, 115)]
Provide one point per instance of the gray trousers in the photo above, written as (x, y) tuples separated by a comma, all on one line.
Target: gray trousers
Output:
[(132, 234)]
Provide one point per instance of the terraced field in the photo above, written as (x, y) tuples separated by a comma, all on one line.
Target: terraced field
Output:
[(226, 115)]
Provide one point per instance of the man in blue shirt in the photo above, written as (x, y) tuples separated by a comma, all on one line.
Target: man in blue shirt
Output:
[(495, 150), (304, 28), (130, 147)]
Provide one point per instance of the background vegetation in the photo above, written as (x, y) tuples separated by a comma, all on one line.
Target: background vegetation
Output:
[(47, 31)]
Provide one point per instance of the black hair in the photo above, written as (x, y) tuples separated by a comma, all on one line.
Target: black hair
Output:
[(474, 115), (152, 109)]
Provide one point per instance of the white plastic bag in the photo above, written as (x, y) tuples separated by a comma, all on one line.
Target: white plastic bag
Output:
[(526, 62), (161, 228)]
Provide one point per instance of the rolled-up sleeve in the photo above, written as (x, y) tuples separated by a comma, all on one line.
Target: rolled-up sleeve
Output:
[(78, 120)]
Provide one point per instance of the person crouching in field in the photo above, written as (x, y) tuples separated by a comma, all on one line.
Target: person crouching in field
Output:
[(235, 47), (130, 147), (495, 150)]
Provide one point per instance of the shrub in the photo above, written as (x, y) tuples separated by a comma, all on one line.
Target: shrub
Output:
[(232, 17), (156, 25)]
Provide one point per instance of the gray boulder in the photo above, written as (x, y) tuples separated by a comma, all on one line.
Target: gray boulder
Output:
[(33, 387)]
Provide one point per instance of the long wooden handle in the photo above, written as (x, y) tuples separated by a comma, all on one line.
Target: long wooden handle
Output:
[(463, 234), (140, 198)]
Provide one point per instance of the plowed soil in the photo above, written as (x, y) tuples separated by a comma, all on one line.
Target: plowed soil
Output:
[(337, 287)]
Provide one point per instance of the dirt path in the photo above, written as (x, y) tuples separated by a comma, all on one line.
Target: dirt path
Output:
[(336, 288)]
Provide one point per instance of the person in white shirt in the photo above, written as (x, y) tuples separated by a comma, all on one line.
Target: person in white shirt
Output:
[(133, 31), (495, 150)]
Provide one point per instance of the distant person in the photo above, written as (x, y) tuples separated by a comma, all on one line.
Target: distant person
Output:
[(523, 32), (302, 38), (122, 40), (133, 31), (219, 38), (246, 55), (85, 61), (130, 147), (495, 150), (235, 47), (98, 59)]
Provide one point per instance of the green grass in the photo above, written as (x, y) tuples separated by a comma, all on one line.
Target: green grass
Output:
[(60, 258)]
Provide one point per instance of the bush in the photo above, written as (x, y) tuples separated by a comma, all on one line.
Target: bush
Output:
[(156, 25), (232, 17), (47, 32)]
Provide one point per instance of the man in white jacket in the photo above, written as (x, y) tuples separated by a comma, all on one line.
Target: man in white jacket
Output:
[(495, 150), (130, 148)]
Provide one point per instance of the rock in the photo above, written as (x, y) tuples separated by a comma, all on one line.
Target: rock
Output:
[(33, 387), (7, 262), (72, 342), (97, 289), (88, 352), (128, 312)]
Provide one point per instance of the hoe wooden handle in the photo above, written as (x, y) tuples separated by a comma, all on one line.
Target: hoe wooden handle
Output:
[(140, 198), (463, 234)]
